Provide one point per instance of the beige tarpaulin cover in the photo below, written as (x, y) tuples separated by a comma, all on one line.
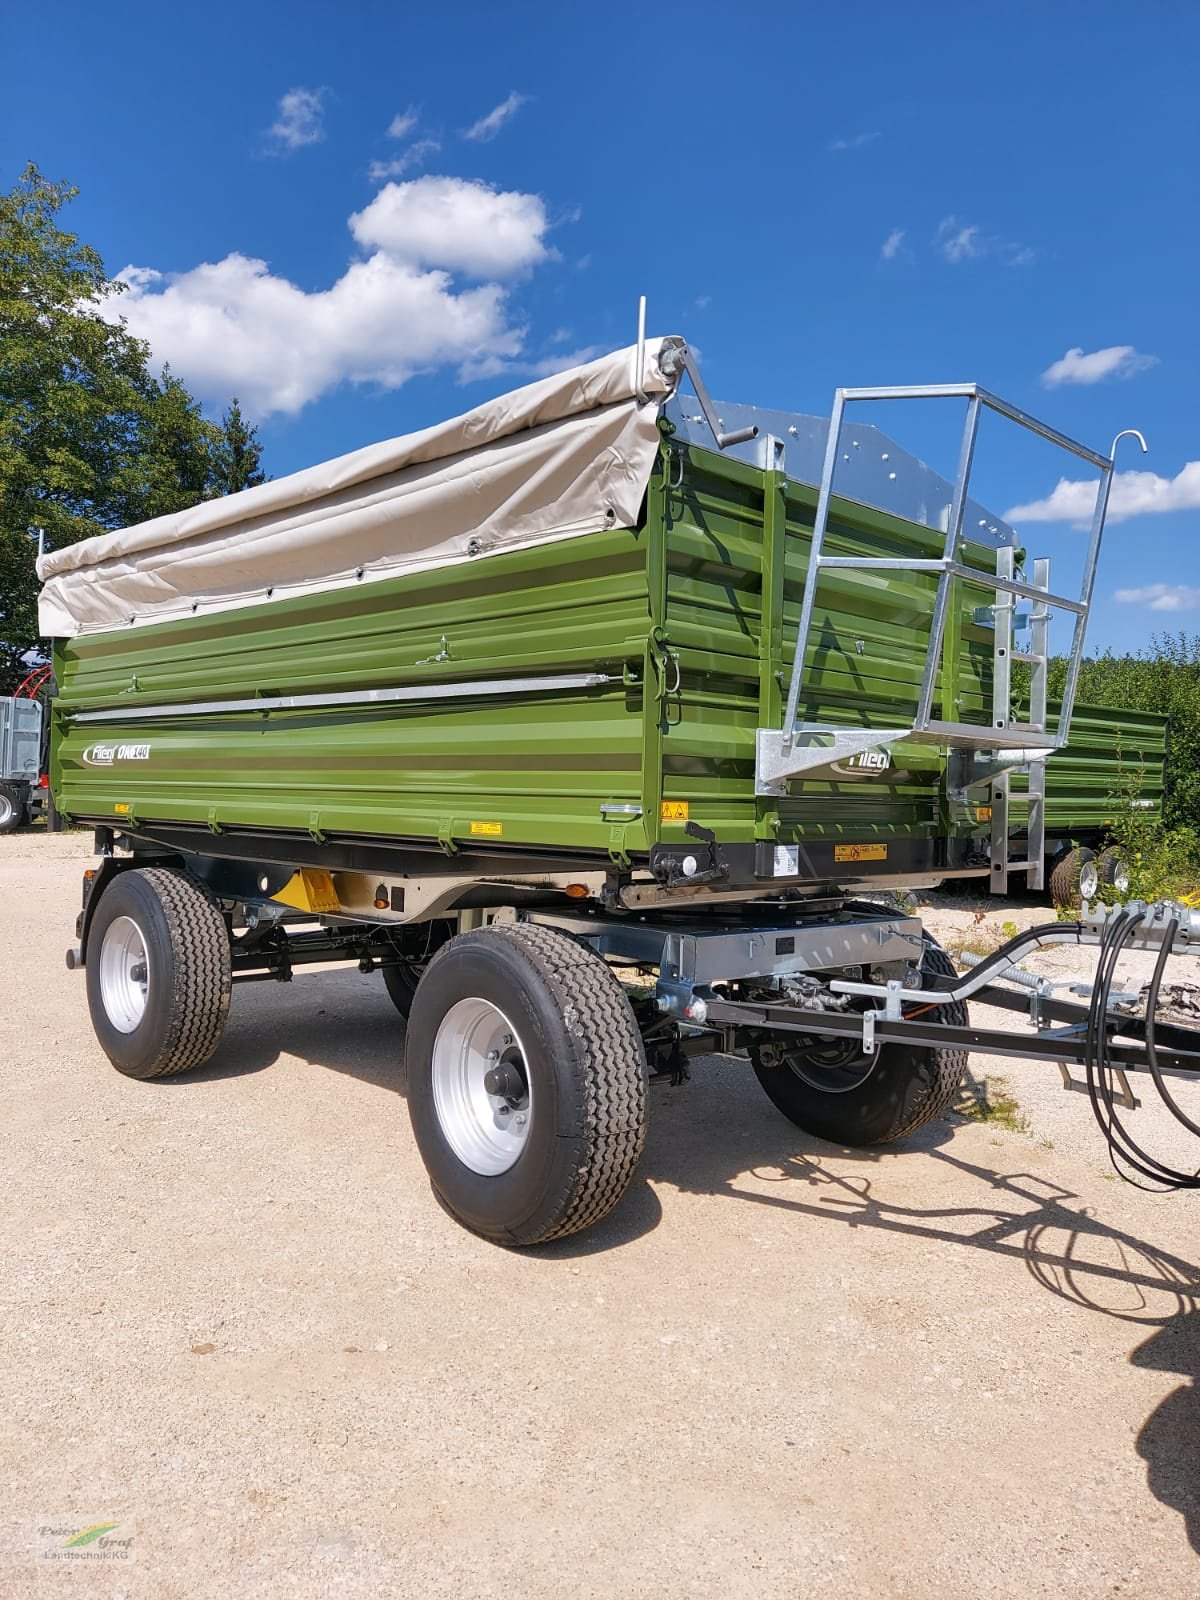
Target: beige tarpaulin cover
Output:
[(564, 456)]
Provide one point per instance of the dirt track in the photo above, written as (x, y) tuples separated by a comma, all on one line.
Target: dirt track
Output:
[(237, 1325)]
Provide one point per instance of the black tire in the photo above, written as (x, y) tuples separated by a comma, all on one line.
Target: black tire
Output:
[(1070, 878), (186, 982), (579, 1053), (906, 1087), (1114, 870), (401, 984), (12, 807)]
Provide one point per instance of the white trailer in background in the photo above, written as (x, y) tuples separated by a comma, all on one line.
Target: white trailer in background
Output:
[(21, 793)]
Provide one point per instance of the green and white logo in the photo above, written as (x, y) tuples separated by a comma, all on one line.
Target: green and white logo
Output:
[(65, 1539)]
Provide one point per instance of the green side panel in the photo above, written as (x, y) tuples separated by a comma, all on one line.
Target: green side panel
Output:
[(865, 661), (1111, 754), (539, 765)]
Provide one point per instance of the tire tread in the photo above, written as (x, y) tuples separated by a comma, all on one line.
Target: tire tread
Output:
[(201, 981), (946, 1068)]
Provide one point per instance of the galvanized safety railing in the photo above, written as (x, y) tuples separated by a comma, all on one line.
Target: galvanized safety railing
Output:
[(798, 746)]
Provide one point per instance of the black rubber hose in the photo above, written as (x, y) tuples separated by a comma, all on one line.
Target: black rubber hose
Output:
[(1121, 1145), (1151, 1050)]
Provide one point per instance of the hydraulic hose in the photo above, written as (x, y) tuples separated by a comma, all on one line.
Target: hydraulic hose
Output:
[(1126, 1155)]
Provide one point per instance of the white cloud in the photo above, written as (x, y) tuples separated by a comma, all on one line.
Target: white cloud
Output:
[(544, 367), (564, 361), (396, 166), (402, 124), (489, 126), (856, 143), (1078, 366), (965, 241), (891, 246), (300, 119), (1162, 597), (454, 223), (235, 327), (1133, 494), (958, 241)]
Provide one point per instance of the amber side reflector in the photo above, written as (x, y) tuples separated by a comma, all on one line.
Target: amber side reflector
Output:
[(576, 891)]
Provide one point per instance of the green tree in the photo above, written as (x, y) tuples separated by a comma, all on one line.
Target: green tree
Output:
[(89, 439), (239, 453)]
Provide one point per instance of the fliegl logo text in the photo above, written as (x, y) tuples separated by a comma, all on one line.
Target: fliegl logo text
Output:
[(103, 755), (61, 1539), (863, 765)]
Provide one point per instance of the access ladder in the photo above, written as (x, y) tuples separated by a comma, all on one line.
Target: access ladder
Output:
[(984, 752)]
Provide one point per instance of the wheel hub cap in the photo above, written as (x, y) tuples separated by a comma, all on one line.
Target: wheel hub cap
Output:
[(124, 974), (481, 1088)]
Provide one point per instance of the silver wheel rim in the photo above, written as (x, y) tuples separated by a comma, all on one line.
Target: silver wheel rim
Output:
[(1089, 881), (7, 810), (124, 974), (481, 1087)]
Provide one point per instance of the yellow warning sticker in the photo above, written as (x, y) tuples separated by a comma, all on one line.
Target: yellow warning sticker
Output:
[(488, 830), (860, 852), (983, 813), (122, 808), (674, 811)]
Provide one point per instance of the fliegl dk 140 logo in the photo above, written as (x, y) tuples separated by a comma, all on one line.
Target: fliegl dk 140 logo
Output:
[(867, 763), (103, 755)]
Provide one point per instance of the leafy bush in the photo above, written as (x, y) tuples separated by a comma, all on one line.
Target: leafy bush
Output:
[(1163, 861)]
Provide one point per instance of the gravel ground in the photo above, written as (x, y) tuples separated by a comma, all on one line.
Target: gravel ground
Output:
[(237, 1326)]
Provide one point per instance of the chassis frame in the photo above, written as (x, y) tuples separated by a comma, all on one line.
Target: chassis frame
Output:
[(724, 975)]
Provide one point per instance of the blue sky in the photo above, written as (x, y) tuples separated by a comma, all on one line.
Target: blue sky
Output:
[(365, 218)]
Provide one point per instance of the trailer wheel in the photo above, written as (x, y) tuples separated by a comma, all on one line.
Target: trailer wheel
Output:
[(832, 1090), (12, 808), (1074, 879), (403, 973), (526, 1083), (1114, 870), (401, 985), (158, 972)]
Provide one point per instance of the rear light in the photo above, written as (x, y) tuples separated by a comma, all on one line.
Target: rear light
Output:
[(44, 781)]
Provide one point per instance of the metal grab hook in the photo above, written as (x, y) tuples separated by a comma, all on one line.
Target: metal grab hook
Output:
[(1128, 433)]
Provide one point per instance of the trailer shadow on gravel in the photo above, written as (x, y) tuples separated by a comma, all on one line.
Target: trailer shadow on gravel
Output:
[(719, 1136), (1169, 1441), (336, 1019), (1102, 1269)]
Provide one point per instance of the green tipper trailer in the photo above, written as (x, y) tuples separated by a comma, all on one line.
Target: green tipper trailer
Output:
[(1114, 759), (594, 678)]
